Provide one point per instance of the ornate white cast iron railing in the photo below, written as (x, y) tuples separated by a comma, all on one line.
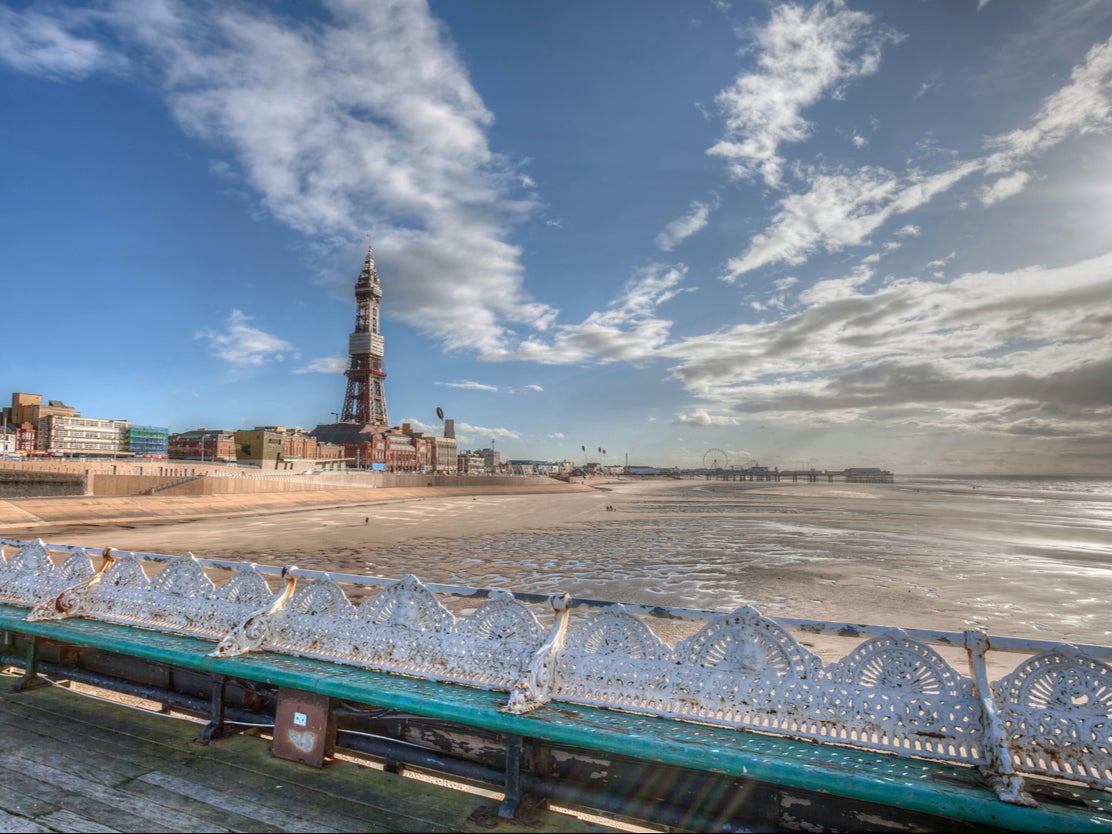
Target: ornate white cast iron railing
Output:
[(894, 692)]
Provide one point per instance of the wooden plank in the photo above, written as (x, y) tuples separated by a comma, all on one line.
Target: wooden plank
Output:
[(171, 784), (120, 760), (33, 712), (67, 821), (212, 817), (370, 799), (108, 757), (100, 756), (18, 824), (23, 799), (290, 803), (102, 802), (108, 760)]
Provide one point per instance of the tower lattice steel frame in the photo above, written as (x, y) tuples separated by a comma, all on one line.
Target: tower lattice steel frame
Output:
[(365, 401)]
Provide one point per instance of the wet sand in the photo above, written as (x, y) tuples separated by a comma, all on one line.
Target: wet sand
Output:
[(877, 554)]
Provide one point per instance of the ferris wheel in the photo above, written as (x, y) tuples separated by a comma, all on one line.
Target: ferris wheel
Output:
[(715, 459)]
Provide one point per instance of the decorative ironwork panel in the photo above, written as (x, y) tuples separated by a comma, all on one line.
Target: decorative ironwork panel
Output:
[(492, 646), (1057, 713), (407, 604), (246, 588), (736, 671), (180, 599), (77, 568), (31, 576), (896, 694), (747, 642), (614, 660), (404, 629), (24, 572)]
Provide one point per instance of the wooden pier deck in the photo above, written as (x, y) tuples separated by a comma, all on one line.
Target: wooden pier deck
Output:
[(69, 763)]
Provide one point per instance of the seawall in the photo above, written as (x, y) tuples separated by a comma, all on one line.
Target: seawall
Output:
[(16, 483), (43, 516)]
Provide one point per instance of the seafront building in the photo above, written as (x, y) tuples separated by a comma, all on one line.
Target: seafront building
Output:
[(267, 447), (56, 430), (204, 444)]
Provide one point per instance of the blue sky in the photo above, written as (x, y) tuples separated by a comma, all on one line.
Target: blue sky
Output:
[(818, 234)]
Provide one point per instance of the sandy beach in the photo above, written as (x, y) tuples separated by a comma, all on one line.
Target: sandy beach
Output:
[(872, 553)]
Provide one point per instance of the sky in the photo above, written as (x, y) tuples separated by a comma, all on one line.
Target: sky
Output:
[(654, 232)]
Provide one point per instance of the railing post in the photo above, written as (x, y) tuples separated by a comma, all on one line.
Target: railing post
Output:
[(252, 633), (1007, 784), (535, 689)]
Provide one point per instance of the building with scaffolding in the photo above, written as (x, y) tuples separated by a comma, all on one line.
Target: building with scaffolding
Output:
[(149, 441), (364, 430)]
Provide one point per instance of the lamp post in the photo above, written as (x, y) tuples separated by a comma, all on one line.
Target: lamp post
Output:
[(203, 436)]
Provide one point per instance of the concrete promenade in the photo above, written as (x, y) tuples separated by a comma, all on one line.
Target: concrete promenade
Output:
[(44, 517)]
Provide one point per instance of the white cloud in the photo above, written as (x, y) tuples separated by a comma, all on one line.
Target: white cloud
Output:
[(326, 365), (926, 87), (1082, 106), (804, 55), (683, 227), (840, 209), (702, 418), (1004, 187), (628, 330), (35, 43), (942, 261), (833, 289), (468, 385), (364, 120), (242, 345), (479, 434), (1023, 352)]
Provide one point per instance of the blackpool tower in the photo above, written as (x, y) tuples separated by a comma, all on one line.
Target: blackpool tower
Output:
[(365, 401)]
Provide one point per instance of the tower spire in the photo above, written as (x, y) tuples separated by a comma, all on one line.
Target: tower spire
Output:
[(365, 400)]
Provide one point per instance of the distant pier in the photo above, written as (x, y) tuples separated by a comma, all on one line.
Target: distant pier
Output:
[(858, 475)]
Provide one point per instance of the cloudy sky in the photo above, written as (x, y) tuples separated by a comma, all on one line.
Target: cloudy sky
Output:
[(804, 235)]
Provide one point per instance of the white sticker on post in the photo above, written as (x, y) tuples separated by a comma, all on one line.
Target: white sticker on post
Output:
[(300, 719)]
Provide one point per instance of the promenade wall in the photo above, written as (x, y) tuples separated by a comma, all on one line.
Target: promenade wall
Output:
[(32, 484), (32, 479)]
